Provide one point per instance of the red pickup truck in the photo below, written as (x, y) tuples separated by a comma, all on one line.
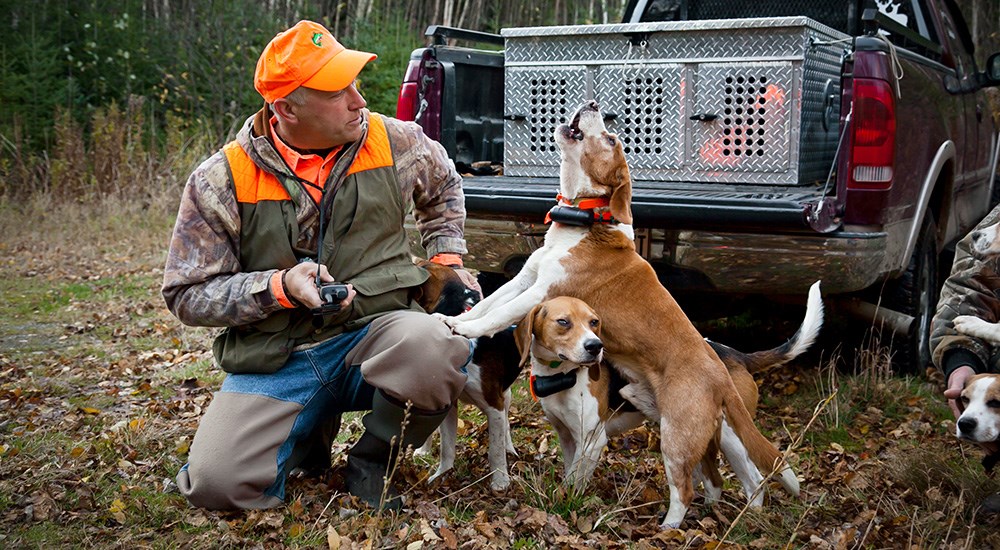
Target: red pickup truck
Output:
[(771, 143)]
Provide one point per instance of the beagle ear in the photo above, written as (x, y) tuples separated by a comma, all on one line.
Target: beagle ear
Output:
[(522, 335), (621, 194), (594, 372)]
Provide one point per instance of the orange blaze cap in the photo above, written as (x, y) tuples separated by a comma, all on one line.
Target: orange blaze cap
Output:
[(306, 55)]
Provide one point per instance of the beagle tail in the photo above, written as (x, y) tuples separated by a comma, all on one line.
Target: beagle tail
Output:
[(759, 361), (761, 451)]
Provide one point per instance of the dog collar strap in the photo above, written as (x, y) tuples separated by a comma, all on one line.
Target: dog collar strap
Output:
[(584, 203), (544, 386)]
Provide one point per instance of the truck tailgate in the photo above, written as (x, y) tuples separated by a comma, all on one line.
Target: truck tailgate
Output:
[(676, 204)]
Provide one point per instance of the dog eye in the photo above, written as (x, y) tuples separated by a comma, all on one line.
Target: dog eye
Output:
[(993, 403), (611, 141), (562, 322), (594, 323), (964, 400)]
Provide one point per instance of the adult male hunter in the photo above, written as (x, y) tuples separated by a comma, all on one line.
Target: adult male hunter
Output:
[(314, 168)]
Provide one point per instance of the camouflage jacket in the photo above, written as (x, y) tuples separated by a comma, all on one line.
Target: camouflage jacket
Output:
[(973, 288), (203, 283)]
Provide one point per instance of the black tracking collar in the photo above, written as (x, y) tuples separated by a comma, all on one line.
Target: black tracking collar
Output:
[(571, 215), (544, 386)]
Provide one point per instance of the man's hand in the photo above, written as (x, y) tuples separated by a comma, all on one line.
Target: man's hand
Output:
[(470, 281), (956, 383), (300, 284)]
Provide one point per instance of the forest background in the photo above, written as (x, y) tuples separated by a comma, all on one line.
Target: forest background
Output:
[(100, 96)]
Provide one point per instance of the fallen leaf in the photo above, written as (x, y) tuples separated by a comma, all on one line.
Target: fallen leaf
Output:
[(332, 538), (449, 538), (585, 524), (427, 533), (117, 510)]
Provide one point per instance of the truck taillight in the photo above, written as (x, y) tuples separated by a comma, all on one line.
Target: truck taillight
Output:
[(873, 143), (406, 105)]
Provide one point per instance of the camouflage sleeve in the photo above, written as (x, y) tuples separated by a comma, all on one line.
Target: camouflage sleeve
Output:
[(202, 281), (431, 187), (969, 290)]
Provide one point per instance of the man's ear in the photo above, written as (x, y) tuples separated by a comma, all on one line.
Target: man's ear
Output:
[(284, 109)]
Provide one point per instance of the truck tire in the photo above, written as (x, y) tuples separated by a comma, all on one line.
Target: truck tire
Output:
[(916, 293)]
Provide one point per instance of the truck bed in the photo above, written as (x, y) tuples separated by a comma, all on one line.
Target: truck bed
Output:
[(663, 205)]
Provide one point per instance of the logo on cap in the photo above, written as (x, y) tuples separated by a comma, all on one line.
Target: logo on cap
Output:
[(317, 39)]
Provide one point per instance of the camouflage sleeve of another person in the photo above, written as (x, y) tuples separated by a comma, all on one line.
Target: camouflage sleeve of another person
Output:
[(202, 282), (969, 290), (431, 187)]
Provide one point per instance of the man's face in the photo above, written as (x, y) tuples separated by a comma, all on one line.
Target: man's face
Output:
[(325, 119)]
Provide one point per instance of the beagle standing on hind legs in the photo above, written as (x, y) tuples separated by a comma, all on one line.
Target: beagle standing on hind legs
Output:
[(645, 333)]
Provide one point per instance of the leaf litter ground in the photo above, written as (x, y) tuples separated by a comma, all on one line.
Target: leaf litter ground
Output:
[(101, 390)]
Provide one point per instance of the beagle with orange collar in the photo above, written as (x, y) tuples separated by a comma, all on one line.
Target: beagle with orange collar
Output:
[(645, 334), (587, 401)]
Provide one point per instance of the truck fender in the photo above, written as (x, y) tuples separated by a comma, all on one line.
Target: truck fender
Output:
[(944, 153)]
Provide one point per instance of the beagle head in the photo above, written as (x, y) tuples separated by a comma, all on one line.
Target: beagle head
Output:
[(444, 291), (986, 241), (561, 329), (980, 421), (593, 162)]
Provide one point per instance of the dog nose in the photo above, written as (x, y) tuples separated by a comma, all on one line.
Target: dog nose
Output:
[(976, 235), (593, 346), (966, 425)]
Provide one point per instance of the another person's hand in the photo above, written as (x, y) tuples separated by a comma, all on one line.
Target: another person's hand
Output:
[(300, 284), (470, 281), (956, 383)]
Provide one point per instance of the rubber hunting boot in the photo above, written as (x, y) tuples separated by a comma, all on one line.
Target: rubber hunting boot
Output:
[(374, 455)]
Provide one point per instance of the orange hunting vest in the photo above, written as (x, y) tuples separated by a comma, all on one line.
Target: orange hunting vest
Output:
[(365, 244)]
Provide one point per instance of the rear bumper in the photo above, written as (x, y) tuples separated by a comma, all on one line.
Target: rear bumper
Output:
[(697, 260)]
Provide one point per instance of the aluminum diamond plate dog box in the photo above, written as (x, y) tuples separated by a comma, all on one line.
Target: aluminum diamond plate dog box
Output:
[(692, 101)]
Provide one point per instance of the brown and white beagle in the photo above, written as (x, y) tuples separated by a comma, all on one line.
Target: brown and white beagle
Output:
[(494, 368), (587, 401), (645, 334), (980, 420)]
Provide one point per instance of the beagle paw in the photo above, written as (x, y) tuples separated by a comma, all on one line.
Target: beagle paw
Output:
[(450, 321), (970, 325), (500, 483), (469, 329)]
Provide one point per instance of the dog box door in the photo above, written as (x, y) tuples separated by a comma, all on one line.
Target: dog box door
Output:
[(536, 101), (741, 120)]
